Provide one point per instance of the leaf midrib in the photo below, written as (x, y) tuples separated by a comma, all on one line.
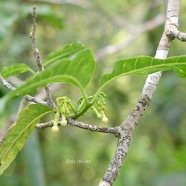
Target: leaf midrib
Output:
[(164, 65), (22, 133)]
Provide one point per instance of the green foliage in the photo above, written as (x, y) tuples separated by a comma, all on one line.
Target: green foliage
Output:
[(74, 64), (67, 52), (76, 70), (18, 133), (15, 70), (145, 65)]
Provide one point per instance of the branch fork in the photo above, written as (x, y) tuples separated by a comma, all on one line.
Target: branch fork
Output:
[(174, 33), (127, 128)]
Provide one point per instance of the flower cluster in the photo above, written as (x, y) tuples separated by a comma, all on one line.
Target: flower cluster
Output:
[(64, 110)]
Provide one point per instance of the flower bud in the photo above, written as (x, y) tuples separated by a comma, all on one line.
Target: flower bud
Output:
[(63, 121), (105, 120), (55, 129)]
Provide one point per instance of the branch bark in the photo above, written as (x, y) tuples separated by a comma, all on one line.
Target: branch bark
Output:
[(27, 97), (38, 58), (127, 128), (6, 83), (75, 123)]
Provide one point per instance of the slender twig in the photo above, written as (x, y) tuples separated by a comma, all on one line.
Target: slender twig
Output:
[(175, 33), (27, 97), (45, 125), (35, 100), (94, 128), (6, 83), (127, 127), (38, 58)]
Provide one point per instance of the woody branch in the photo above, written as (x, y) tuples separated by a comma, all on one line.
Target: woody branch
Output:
[(127, 128)]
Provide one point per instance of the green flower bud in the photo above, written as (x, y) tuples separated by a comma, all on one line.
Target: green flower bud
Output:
[(104, 118), (63, 121), (56, 119), (55, 129)]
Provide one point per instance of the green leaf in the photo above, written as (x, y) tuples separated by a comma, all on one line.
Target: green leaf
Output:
[(145, 65), (16, 69), (77, 71), (65, 52), (19, 132)]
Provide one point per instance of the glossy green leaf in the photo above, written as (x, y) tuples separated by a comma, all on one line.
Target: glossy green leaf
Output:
[(76, 71), (66, 52), (145, 65), (14, 70), (19, 132)]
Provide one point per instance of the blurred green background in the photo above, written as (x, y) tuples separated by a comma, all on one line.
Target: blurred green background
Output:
[(75, 157)]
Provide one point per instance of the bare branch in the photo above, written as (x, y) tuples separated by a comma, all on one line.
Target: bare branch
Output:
[(32, 36), (94, 128), (39, 96), (175, 33), (38, 58), (27, 97), (172, 30), (127, 127), (40, 67), (45, 125), (35, 100), (6, 83)]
